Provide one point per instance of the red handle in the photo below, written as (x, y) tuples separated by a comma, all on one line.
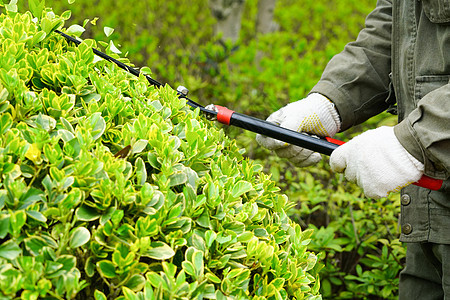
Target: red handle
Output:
[(424, 181), (224, 114), (429, 183)]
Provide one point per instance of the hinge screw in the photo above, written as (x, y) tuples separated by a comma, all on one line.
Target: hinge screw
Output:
[(182, 90)]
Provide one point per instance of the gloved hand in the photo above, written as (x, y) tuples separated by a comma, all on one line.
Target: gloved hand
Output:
[(314, 115), (377, 162)]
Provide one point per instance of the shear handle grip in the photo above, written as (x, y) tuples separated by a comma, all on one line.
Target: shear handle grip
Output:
[(425, 181)]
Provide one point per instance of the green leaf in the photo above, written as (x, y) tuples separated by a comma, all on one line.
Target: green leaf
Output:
[(36, 7), (139, 146), (79, 237), (154, 279), (6, 122), (50, 25), (87, 213), (129, 294), (12, 6), (89, 267), (213, 278), (261, 232), (98, 295), (210, 237), (66, 135), (108, 30), (153, 160), (160, 251), (98, 125), (146, 71), (38, 37), (49, 240), (198, 242), (10, 250), (94, 21), (246, 236), (141, 172), (113, 48), (177, 179), (4, 225), (117, 216), (66, 15), (212, 191), (106, 269), (278, 283), (240, 188), (169, 269), (35, 244), (68, 261), (136, 282), (188, 267), (148, 291), (75, 30), (3, 198), (43, 121), (197, 260), (107, 214), (17, 220), (91, 97), (220, 295), (4, 96)]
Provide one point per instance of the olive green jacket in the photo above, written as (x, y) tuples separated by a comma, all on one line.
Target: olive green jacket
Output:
[(403, 54)]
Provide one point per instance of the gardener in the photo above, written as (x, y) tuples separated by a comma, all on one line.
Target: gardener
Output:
[(405, 48)]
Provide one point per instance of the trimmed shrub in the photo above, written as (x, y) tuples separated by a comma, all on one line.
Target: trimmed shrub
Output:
[(113, 189)]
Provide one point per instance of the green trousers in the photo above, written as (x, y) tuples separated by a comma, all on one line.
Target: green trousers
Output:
[(427, 272)]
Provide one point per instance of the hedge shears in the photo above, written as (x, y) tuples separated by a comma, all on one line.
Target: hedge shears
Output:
[(231, 118)]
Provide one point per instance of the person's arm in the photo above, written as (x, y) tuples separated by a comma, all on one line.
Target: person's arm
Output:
[(357, 79), (425, 132)]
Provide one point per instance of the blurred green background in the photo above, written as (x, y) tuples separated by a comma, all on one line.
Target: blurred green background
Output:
[(256, 75)]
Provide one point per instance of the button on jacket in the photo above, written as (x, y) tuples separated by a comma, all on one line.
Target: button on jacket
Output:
[(405, 47)]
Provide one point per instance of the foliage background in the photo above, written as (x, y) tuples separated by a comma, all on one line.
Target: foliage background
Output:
[(357, 236)]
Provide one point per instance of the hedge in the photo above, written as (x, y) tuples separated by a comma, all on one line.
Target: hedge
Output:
[(114, 189)]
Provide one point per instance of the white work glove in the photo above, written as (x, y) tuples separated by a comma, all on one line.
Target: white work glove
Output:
[(377, 162), (314, 115)]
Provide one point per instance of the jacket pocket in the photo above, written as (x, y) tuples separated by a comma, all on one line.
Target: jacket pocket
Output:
[(438, 11), (428, 83)]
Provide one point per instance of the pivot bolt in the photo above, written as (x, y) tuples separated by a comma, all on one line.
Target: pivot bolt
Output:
[(182, 90), (213, 108)]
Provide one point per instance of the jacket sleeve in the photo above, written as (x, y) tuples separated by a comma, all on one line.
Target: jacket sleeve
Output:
[(425, 132), (357, 79)]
